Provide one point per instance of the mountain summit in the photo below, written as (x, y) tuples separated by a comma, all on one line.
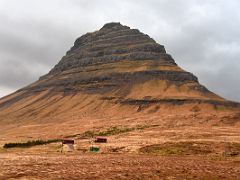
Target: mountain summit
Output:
[(113, 72), (123, 63)]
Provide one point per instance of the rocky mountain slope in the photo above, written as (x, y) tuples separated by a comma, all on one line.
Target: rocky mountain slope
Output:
[(112, 73)]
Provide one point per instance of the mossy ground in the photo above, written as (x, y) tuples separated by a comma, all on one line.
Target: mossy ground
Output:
[(192, 148)]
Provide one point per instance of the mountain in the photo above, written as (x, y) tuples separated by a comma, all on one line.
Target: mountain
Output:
[(111, 74)]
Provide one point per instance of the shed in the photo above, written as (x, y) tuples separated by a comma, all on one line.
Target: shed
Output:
[(67, 145), (100, 140)]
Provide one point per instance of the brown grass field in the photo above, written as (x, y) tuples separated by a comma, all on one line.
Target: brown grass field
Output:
[(141, 149)]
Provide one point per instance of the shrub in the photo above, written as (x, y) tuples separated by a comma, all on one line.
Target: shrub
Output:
[(29, 143)]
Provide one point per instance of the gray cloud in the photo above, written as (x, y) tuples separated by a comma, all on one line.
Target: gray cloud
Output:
[(202, 36)]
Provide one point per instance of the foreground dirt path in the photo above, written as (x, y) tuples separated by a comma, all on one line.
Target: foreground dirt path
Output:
[(114, 166)]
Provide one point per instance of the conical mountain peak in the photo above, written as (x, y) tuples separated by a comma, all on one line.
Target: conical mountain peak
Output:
[(112, 43), (118, 67), (114, 25)]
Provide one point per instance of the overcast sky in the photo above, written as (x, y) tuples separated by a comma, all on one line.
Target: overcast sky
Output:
[(203, 36)]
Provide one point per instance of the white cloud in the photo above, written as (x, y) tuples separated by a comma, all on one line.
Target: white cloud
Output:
[(5, 91)]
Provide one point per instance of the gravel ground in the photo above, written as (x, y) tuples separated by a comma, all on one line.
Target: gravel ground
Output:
[(115, 166)]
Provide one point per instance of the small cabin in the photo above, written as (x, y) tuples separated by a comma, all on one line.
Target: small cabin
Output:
[(67, 145), (100, 140)]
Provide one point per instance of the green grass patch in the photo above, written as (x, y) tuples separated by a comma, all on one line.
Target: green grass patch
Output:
[(226, 149), (178, 148), (108, 132), (115, 130), (29, 143)]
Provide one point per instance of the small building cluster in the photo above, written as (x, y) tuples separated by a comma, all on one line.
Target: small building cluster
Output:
[(69, 145)]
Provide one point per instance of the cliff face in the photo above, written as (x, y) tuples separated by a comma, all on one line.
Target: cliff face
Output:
[(115, 66), (113, 58)]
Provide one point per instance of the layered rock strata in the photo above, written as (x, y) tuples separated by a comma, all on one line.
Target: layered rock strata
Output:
[(122, 66)]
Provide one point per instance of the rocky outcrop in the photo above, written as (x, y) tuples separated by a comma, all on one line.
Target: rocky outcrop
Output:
[(112, 43)]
